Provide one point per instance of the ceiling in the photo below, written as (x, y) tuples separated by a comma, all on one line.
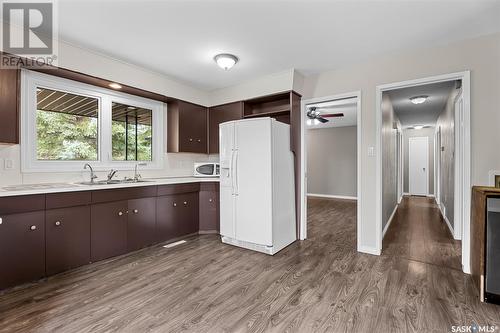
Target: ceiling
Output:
[(420, 114), (347, 106), (180, 38)]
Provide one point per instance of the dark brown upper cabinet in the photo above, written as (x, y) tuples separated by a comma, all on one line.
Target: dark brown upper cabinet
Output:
[(218, 115), (187, 128), (278, 106), (9, 106)]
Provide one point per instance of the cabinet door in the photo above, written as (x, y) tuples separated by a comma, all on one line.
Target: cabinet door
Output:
[(168, 217), (9, 106), (218, 115), (67, 238), (192, 128), (108, 230), (22, 248), (141, 223), (190, 213), (209, 211)]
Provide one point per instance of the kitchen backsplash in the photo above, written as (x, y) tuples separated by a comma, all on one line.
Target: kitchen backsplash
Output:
[(175, 164)]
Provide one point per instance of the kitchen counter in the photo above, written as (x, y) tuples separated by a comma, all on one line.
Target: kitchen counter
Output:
[(16, 190)]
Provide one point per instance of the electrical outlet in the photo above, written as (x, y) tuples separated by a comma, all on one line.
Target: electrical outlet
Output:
[(8, 164), (371, 151)]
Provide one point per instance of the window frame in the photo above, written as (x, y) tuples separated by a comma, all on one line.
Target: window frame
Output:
[(30, 81)]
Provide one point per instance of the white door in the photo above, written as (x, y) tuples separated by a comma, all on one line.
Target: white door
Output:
[(226, 194), (253, 181), (418, 160)]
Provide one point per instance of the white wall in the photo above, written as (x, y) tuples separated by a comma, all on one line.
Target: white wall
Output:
[(332, 161), (390, 127), (480, 55)]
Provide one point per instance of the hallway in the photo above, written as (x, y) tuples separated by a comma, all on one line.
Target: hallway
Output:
[(419, 233)]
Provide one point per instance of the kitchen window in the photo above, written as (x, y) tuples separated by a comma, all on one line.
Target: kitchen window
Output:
[(65, 124)]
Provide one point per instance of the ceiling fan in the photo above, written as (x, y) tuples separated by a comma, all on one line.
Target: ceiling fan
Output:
[(313, 113)]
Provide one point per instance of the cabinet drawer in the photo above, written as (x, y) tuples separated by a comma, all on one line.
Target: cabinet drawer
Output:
[(178, 188), (22, 204), (123, 194), (67, 238), (69, 199), (22, 248)]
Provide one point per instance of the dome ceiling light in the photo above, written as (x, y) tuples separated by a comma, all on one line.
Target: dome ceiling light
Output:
[(226, 61), (419, 99)]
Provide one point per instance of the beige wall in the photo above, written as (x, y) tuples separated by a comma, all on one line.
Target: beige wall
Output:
[(446, 125), (389, 159), (332, 161), (481, 56), (411, 133)]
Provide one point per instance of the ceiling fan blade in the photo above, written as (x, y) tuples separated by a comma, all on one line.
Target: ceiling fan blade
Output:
[(323, 120), (332, 115)]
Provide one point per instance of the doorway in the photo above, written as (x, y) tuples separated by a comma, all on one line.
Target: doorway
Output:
[(418, 162), (331, 178), (448, 176)]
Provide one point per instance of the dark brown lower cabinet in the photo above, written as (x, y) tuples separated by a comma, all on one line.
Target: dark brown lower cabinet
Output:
[(176, 215), (190, 213), (209, 207), (108, 230), (22, 248), (67, 238), (141, 223)]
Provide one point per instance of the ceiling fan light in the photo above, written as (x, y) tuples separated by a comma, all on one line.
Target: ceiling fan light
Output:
[(225, 60), (418, 99)]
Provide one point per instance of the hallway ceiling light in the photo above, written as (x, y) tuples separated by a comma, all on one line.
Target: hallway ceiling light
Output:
[(418, 127), (419, 99), (226, 61)]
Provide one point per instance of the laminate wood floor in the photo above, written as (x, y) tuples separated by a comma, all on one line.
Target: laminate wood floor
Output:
[(318, 285)]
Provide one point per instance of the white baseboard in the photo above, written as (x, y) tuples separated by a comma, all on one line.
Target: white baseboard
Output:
[(389, 221), (369, 250), (406, 193), (344, 197), (430, 196), (442, 210)]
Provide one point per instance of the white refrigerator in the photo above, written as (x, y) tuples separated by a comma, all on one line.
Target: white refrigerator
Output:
[(257, 192)]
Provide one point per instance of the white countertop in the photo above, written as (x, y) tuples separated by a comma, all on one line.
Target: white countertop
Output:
[(8, 191)]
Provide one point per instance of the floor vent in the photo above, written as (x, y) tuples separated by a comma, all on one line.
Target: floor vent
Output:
[(174, 244)]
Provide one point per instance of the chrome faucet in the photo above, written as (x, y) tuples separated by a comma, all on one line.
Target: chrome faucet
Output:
[(92, 174), (111, 174), (137, 176)]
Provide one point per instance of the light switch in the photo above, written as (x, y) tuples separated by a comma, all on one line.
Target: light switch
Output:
[(371, 151), (8, 164)]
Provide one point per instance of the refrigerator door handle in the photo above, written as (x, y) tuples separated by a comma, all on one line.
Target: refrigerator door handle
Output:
[(235, 180), (231, 171)]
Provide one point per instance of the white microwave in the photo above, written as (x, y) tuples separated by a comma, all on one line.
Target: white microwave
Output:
[(206, 169)]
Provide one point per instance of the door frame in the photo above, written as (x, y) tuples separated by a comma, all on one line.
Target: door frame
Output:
[(427, 164), (303, 158), (464, 185)]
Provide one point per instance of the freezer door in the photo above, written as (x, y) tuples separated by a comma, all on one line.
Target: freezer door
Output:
[(226, 153), (253, 181)]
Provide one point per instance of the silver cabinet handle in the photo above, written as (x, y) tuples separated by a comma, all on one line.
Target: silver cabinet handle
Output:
[(185, 203), (58, 223), (210, 200), (175, 204), (135, 211), (33, 227), (199, 140), (1, 220), (120, 213), (190, 140)]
